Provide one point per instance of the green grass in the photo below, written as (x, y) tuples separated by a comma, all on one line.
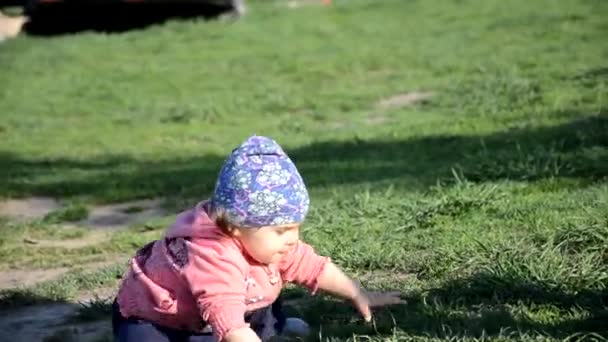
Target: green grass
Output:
[(20, 255), (63, 289), (486, 205), (70, 213)]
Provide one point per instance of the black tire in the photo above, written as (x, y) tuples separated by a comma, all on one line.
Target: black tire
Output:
[(30, 7)]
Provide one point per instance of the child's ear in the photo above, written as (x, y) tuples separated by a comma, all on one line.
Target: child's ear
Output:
[(235, 232)]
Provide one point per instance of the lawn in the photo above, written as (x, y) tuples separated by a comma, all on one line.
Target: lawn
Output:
[(485, 203)]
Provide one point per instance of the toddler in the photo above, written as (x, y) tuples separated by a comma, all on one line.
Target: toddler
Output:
[(217, 273)]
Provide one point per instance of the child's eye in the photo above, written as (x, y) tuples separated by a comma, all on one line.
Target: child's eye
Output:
[(281, 231)]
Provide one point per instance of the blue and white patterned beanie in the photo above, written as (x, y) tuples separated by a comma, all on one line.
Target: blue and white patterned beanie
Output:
[(259, 185)]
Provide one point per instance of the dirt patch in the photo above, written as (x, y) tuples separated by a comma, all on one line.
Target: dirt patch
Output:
[(28, 208), (92, 238), (49, 323), (11, 26), (404, 100), (59, 321), (377, 119), (22, 278), (105, 293), (302, 3), (111, 216), (338, 125), (25, 278), (54, 322), (121, 215)]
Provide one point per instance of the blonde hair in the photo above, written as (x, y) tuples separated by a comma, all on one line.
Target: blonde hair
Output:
[(221, 217)]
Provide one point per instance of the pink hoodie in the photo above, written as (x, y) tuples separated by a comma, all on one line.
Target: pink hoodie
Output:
[(197, 274)]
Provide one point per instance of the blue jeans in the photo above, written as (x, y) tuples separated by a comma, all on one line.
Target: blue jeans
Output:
[(138, 330)]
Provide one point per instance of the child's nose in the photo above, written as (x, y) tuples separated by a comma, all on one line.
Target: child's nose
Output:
[(293, 239)]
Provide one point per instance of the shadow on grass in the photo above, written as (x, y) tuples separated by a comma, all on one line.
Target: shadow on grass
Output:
[(577, 150), (15, 298), (483, 289), (35, 318), (44, 313), (72, 17), (470, 308)]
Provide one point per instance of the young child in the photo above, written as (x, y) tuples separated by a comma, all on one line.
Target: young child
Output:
[(218, 271)]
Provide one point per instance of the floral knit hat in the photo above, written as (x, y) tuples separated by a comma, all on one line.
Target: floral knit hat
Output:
[(259, 185)]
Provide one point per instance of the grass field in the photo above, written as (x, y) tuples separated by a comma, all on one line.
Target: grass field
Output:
[(486, 204)]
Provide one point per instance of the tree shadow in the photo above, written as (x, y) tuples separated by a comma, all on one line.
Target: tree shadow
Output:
[(50, 311), (593, 74), (468, 308), (517, 154), (477, 306), (27, 316), (113, 17), (577, 150), (483, 289)]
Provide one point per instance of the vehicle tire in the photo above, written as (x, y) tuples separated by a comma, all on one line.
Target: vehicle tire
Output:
[(31, 7)]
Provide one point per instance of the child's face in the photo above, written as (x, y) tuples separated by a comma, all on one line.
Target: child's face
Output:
[(269, 245)]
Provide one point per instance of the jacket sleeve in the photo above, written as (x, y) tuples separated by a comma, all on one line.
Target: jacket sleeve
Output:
[(216, 275), (303, 266)]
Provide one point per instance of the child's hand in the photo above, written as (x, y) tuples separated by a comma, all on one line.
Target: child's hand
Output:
[(244, 334), (362, 304), (333, 280), (366, 300)]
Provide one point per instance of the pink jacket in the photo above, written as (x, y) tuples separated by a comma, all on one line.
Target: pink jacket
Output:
[(196, 274)]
